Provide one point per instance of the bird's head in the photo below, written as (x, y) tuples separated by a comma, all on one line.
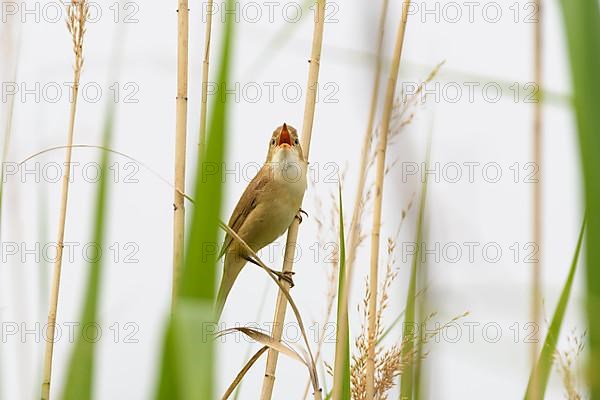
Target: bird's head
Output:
[(284, 145)]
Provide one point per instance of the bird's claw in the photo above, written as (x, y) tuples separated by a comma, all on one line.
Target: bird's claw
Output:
[(286, 276), (299, 215)]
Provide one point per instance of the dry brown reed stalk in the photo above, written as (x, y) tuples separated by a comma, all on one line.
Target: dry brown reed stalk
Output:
[(243, 372), (205, 64), (354, 236), (566, 364), (307, 125), (180, 143), (376, 227), (77, 14), (536, 284)]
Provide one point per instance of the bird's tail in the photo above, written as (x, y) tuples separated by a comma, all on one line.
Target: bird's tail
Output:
[(233, 266)]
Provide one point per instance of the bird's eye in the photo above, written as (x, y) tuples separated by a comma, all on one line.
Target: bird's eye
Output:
[(296, 141), (272, 142)]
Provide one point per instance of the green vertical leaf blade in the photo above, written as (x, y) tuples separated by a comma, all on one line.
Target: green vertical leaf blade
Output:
[(582, 22), (78, 385), (546, 359), (187, 370), (341, 386), (409, 331)]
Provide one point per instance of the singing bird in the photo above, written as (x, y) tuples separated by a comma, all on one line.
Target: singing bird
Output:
[(267, 207)]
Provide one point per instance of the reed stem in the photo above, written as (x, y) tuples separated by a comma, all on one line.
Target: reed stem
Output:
[(536, 284), (378, 196), (180, 144), (77, 13), (292, 236), (357, 213), (205, 64)]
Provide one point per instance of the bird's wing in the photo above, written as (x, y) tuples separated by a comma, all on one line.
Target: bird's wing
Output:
[(244, 207)]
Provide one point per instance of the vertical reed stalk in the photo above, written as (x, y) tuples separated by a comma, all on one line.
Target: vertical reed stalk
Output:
[(205, 63), (536, 289), (288, 260), (380, 173), (364, 156), (77, 13), (358, 200), (180, 142)]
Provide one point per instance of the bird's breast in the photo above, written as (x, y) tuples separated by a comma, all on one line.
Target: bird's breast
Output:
[(278, 205)]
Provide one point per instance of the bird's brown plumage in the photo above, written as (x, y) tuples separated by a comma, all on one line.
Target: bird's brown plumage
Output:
[(266, 208)]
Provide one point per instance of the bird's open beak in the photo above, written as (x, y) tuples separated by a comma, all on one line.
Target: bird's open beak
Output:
[(284, 136)]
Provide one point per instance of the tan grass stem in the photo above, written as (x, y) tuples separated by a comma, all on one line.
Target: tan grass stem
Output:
[(288, 261), (77, 13), (180, 143), (536, 284), (362, 177), (378, 195), (358, 200), (205, 65)]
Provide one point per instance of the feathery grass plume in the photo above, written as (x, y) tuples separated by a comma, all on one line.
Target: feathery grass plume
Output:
[(205, 65), (180, 143), (391, 361), (566, 364), (536, 278), (380, 173), (582, 25), (292, 237), (403, 113), (77, 14), (388, 361)]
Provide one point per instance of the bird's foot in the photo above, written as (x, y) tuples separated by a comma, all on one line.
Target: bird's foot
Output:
[(286, 276), (299, 215)]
